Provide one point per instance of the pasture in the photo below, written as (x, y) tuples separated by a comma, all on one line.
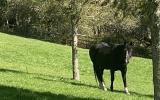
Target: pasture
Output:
[(36, 70)]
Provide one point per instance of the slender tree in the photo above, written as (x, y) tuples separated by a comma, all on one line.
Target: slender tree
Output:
[(151, 18), (74, 22), (76, 9), (154, 17), (74, 53)]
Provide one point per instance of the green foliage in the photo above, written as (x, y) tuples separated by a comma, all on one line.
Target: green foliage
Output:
[(124, 19), (52, 19), (142, 52), (2, 10), (3, 3), (48, 74), (110, 20), (20, 15), (35, 18)]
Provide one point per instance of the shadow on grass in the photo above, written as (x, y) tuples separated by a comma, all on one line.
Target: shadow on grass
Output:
[(9, 70), (59, 79), (51, 78), (135, 93), (68, 81), (13, 93), (20, 72)]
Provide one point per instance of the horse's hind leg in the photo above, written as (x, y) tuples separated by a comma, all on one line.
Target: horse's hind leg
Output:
[(99, 74), (112, 79)]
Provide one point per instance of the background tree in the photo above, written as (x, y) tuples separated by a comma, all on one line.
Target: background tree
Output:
[(154, 17), (74, 22), (3, 4)]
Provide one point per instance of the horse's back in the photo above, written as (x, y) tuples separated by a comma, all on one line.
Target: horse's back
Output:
[(100, 54)]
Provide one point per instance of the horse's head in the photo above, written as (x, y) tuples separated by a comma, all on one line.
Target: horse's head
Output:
[(127, 51)]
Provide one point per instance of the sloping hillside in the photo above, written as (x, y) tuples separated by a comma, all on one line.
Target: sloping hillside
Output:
[(36, 70)]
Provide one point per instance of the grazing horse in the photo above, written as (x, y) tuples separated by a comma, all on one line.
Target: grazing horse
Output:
[(112, 57)]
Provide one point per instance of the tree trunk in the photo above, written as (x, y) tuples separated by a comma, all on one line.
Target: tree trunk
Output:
[(156, 64), (74, 50), (75, 55), (74, 22), (155, 29)]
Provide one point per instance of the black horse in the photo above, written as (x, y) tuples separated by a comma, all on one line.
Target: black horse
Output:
[(112, 57)]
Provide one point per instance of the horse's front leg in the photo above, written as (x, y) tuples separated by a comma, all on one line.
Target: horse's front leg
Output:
[(112, 79), (123, 72)]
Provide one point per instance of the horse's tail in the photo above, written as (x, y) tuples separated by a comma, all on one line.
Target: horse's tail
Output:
[(95, 73), (92, 54)]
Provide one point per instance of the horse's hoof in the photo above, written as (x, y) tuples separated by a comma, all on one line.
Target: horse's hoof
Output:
[(105, 89), (126, 91), (102, 86)]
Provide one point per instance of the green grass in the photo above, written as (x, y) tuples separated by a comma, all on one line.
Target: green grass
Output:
[(35, 70)]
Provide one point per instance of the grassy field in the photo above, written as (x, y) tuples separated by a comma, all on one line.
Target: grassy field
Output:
[(35, 70)]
